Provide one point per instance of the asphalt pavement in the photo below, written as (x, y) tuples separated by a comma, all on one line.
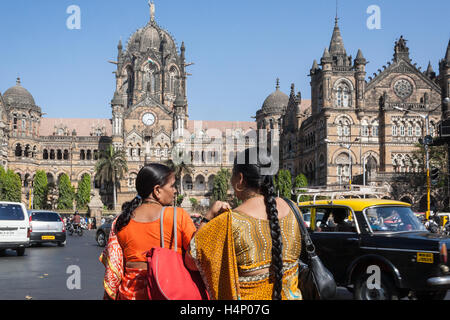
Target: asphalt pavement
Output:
[(72, 272), (49, 272)]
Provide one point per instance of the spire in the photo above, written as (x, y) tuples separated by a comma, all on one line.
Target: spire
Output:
[(119, 46), (360, 58), (18, 81), (277, 87), (447, 54), (336, 43), (430, 72), (326, 57)]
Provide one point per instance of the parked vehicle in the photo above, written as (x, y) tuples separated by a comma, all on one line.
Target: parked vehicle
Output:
[(103, 231), (14, 227), (358, 236), (47, 226)]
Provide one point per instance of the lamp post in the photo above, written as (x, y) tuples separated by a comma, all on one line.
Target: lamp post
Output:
[(427, 153)]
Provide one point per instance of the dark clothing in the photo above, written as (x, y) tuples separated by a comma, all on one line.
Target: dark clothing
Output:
[(76, 219)]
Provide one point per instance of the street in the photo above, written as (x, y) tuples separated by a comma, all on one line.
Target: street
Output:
[(46, 272), (42, 272)]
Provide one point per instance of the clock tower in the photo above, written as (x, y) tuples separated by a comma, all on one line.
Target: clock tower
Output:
[(150, 76)]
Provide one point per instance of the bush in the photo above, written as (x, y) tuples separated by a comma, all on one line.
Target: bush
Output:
[(283, 183), (66, 193), (179, 200), (83, 196), (221, 185), (12, 187), (40, 190)]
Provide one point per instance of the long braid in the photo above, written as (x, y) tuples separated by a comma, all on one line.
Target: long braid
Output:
[(127, 211), (268, 191)]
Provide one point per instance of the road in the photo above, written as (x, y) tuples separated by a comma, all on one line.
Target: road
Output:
[(44, 272)]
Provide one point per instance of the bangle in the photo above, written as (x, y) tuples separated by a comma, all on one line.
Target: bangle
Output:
[(204, 220)]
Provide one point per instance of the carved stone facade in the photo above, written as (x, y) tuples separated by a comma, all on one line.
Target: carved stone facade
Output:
[(353, 125)]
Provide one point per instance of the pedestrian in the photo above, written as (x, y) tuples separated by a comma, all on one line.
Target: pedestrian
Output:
[(94, 223), (137, 229), (251, 252)]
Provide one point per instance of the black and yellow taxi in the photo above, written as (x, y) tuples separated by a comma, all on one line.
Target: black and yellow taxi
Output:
[(379, 249)]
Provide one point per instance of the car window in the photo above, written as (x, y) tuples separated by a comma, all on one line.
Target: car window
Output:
[(335, 219), (11, 212), (45, 216), (393, 219)]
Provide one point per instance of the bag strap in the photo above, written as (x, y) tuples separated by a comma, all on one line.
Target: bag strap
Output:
[(174, 227), (310, 248)]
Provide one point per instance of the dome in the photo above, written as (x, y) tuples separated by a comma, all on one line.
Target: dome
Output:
[(150, 37), (18, 95), (276, 102)]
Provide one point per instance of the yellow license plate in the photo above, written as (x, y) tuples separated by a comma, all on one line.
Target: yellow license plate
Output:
[(424, 257), (48, 237)]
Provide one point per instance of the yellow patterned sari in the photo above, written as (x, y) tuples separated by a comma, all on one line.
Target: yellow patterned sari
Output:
[(233, 245)]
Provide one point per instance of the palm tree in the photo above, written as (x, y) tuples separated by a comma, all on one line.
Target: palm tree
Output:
[(111, 168), (179, 169)]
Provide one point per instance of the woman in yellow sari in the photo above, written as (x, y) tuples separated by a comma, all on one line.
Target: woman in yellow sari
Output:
[(252, 252)]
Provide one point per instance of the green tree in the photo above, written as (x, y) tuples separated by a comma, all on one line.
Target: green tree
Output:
[(12, 187), (301, 182), (283, 183), (2, 179), (221, 184), (83, 195), (179, 168), (66, 193), (437, 158), (40, 190), (111, 168)]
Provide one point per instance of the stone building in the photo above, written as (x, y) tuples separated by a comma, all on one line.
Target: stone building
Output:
[(149, 122), (353, 128)]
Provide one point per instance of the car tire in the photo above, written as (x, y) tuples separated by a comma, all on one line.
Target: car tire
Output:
[(20, 252), (387, 290), (61, 244), (430, 295), (101, 239), (2, 252)]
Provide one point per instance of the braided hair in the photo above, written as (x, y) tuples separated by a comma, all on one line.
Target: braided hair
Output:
[(257, 169), (148, 177)]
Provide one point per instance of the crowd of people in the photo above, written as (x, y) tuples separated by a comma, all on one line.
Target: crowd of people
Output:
[(249, 252)]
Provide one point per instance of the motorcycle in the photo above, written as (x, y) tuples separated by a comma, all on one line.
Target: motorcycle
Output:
[(432, 226), (446, 230), (71, 229)]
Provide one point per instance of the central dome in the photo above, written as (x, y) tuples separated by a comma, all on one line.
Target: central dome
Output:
[(150, 37)]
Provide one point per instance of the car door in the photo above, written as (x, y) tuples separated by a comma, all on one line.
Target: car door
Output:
[(336, 249), (13, 223)]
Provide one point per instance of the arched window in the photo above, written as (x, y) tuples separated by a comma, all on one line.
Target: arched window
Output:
[(394, 130), (45, 154), (82, 155), (418, 130), (66, 154), (402, 129), (27, 151), (410, 130), (59, 155), (172, 80), (18, 150), (343, 95), (88, 155), (52, 154)]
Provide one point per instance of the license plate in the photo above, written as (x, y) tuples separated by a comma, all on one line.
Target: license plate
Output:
[(48, 237), (424, 257)]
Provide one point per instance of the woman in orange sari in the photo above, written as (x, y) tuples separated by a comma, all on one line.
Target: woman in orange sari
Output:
[(251, 252), (137, 230)]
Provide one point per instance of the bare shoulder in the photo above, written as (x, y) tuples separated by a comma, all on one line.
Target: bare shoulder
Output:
[(283, 208)]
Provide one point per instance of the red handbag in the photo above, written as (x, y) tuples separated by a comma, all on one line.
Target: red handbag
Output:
[(168, 278)]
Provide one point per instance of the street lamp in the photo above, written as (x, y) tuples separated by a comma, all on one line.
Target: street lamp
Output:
[(426, 142)]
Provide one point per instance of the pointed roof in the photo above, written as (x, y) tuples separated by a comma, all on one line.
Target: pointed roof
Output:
[(360, 58), (337, 43), (447, 54)]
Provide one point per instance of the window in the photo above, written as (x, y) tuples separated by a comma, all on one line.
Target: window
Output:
[(410, 130), (375, 131), (343, 98), (365, 130), (402, 130), (394, 130), (418, 131)]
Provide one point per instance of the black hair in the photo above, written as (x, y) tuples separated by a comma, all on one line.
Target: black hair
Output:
[(257, 169), (148, 177)]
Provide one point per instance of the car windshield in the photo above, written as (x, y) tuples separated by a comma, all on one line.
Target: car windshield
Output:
[(45, 216), (11, 212), (393, 219)]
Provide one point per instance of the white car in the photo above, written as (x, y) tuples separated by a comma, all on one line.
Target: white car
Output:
[(14, 227)]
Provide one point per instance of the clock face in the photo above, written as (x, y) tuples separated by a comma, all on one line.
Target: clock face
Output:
[(148, 119), (403, 88)]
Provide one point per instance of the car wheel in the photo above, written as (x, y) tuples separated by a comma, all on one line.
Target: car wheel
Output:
[(61, 244), (2, 252), (430, 295), (385, 291), (101, 239), (20, 251)]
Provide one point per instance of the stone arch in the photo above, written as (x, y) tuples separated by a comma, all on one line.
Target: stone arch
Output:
[(50, 178), (407, 198), (200, 183), (187, 182), (210, 183)]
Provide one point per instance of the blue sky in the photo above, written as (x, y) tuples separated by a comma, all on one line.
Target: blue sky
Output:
[(239, 47)]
